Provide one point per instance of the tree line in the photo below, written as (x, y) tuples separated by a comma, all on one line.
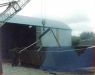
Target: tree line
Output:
[(84, 37)]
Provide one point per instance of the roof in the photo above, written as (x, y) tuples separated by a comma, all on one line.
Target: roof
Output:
[(37, 22)]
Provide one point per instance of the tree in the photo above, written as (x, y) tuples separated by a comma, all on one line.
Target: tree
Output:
[(84, 38), (75, 40), (86, 35)]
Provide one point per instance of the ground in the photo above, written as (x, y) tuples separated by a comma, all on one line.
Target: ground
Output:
[(19, 70)]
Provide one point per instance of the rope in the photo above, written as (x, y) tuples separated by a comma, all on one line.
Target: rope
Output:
[(29, 46), (45, 41), (43, 10)]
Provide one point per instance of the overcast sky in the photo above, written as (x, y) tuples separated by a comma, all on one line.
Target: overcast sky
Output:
[(78, 14)]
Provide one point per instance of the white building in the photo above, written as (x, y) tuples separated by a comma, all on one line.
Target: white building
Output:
[(61, 30)]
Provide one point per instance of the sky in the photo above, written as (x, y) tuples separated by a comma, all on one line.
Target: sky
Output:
[(77, 14)]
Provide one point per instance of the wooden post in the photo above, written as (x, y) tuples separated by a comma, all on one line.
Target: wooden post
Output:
[(0, 54)]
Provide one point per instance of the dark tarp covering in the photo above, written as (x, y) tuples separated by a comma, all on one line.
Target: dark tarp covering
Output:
[(66, 59)]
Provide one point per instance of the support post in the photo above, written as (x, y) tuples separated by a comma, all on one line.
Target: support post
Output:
[(55, 37)]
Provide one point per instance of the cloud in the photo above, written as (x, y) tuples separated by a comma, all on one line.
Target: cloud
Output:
[(77, 33), (77, 17), (81, 26)]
